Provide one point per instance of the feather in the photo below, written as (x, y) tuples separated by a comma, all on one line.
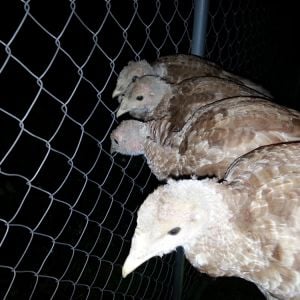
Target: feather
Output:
[(175, 68), (210, 139), (150, 97), (246, 226)]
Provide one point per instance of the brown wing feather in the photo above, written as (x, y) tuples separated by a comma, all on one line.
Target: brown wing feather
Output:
[(227, 129), (270, 176), (180, 67), (175, 68), (255, 163), (185, 60), (219, 133), (192, 94)]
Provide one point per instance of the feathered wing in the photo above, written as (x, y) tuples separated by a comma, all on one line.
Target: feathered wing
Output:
[(271, 176), (221, 132), (180, 67), (192, 94), (216, 135), (176, 68)]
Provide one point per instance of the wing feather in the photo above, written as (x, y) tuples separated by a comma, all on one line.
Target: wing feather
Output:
[(270, 175), (194, 93), (220, 132)]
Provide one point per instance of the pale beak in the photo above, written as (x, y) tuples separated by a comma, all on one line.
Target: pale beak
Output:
[(139, 253), (112, 147), (130, 265), (132, 262), (116, 93), (122, 110)]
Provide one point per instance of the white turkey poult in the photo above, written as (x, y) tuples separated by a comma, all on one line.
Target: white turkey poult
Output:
[(247, 226)]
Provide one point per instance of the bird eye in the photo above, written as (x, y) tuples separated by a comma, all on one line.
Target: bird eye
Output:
[(174, 231), (139, 98), (134, 78), (116, 141)]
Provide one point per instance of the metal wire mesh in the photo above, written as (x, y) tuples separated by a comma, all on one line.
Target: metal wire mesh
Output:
[(240, 37), (67, 207)]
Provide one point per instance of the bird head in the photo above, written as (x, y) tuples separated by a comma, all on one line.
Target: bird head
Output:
[(173, 215), (128, 138), (129, 73), (143, 95)]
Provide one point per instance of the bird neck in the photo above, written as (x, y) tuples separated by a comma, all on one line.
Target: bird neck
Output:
[(210, 210), (220, 242), (159, 70), (138, 146), (215, 202)]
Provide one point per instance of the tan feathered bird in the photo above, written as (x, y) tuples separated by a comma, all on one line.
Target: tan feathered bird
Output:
[(150, 97), (213, 137), (247, 226), (175, 68)]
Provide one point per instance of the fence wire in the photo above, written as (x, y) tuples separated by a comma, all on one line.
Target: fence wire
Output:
[(67, 206), (240, 37)]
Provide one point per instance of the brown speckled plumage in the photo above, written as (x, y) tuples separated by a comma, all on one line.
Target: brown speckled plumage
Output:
[(247, 226), (174, 69), (211, 138), (177, 101)]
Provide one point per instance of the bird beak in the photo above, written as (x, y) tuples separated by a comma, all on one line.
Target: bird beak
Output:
[(112, 148), (131, 263), (122, 109), (116, 93), (140, 252)]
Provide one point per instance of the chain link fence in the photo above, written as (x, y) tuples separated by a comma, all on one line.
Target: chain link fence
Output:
[(258, 40), (67, 206), (67, 209)]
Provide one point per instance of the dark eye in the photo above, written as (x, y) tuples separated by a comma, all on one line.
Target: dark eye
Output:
[(139, 98), (116, 141), (174, 231), (134, 78)]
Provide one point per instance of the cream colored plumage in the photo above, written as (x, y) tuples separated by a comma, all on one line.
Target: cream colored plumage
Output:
[(210, 140), (247, 226), (175, 68), (150, 97)]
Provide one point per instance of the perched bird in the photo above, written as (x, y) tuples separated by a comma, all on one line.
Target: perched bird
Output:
[(150, 97), (175, 68), (210, 140), (248, 226), (130, 138)]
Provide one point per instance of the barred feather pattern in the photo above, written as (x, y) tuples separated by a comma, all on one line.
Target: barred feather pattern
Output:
[(216, 135)]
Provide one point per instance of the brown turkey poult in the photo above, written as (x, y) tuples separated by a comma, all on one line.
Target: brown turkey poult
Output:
[(210, 140), (247, 226), (174, 69), (150, 97)]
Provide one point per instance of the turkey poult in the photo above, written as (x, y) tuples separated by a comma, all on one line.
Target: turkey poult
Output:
[(175, 68), (247, 226), (150, 97), (210, 140)]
